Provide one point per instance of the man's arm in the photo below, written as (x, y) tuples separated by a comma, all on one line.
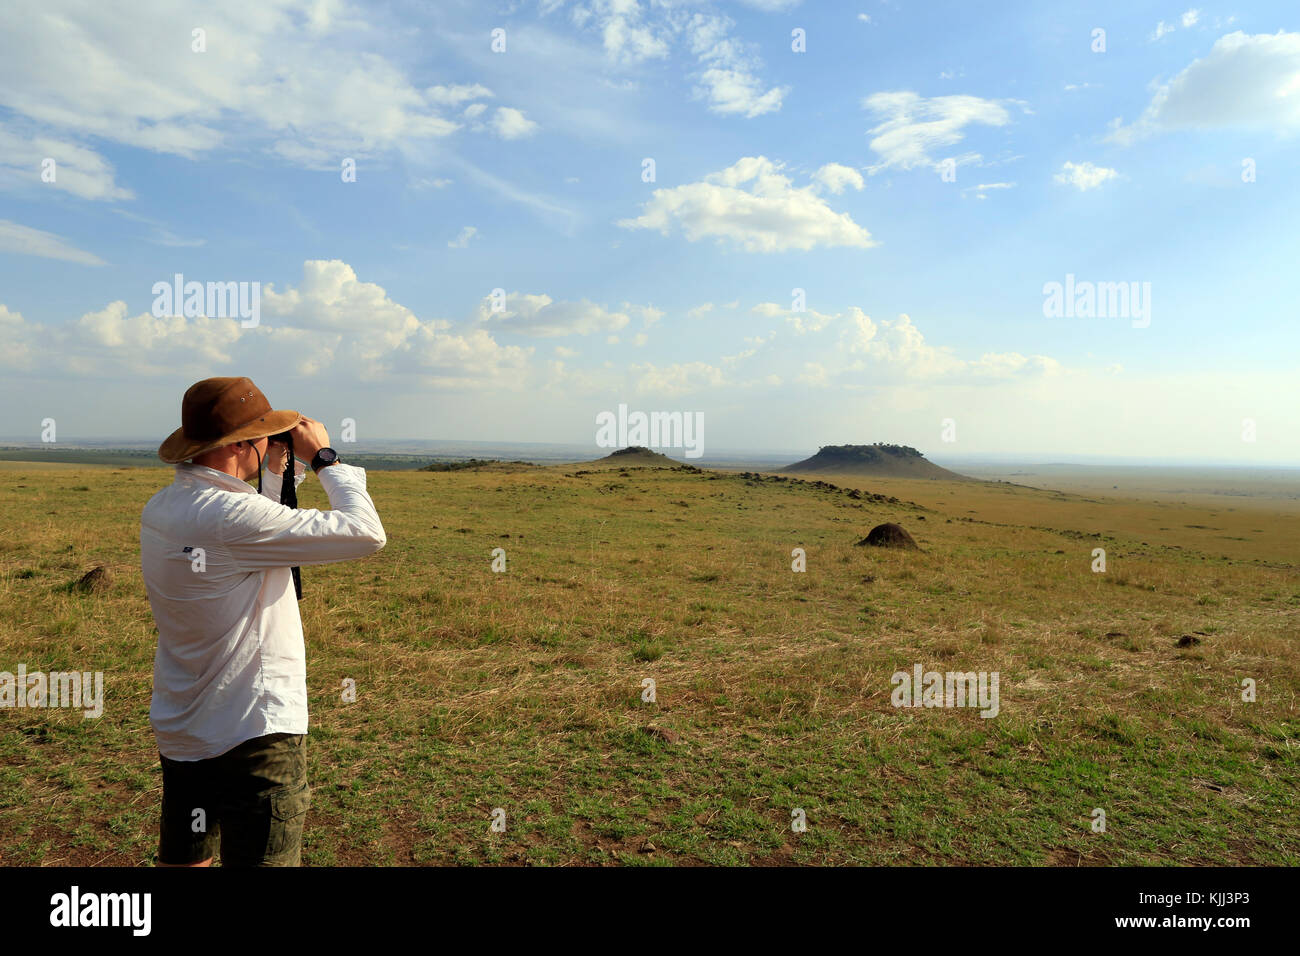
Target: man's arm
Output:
[(262, 534)]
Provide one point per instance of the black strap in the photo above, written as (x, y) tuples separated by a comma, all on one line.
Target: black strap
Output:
[(289, 496)]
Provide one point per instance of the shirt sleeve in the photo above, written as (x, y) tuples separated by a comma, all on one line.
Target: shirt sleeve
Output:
[(259, 533)]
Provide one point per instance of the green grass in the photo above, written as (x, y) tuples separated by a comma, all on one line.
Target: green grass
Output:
[(522, 691)]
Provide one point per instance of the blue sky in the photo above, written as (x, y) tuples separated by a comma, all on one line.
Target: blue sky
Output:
[(921, 171)]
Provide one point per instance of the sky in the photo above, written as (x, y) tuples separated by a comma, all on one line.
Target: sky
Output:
[(807, 223)]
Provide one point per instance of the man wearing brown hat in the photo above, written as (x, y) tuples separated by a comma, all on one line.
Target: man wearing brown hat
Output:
[(229, 705)]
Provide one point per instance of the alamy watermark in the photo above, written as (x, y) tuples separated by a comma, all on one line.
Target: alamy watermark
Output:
[(651, 430), (1098, 300), (56, 689), (223, 300), (75, 908), (953, 689)]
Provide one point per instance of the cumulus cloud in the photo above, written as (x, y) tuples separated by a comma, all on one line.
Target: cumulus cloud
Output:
[(510, 123), (330, 321), (753, 205), (1249, 81), (1084, 175), (18, 340), (912, 127), (835, 177), (900, 346)]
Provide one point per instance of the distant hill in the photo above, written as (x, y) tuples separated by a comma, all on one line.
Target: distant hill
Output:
[(635, 456), (881, 461)]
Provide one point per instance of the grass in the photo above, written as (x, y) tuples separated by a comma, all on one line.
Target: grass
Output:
[(523, 690)]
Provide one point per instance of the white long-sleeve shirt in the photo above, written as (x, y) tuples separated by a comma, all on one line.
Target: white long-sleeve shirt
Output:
[(231, 663)]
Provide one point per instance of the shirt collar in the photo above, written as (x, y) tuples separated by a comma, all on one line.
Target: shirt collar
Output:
[(213, 477)]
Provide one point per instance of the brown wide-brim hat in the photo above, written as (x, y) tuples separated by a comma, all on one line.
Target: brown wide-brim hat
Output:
[(220, 411)]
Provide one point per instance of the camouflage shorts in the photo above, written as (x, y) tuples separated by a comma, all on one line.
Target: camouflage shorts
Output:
[(253, 799)]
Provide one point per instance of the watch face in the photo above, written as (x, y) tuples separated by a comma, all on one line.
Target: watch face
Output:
[(328, 454)]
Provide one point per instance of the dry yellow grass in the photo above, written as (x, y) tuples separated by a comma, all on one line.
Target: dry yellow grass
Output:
[(522, 690)]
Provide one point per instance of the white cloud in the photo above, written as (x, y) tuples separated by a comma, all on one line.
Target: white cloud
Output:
[(461, 241), (455, 95), (76, 169), (18, 340), (24, 240), (1084, 175), (648, 314), (809, 320), (1244, 81), (145, 344), (677, 379), (835, 177), (329, 321), (727, 71), (700, 310), (912, 127), (1190, 17), (1162, 30), (770, 216), (510, 123), (291, 72), (626, 35), (981, 191), (755, 343), (729, 80), (900, 346), (541, 316), (864, 17)]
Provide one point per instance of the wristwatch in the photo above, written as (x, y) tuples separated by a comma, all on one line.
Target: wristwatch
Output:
[(323, 457)]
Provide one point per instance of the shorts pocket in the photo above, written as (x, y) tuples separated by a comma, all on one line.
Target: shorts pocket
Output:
[(288, 813)]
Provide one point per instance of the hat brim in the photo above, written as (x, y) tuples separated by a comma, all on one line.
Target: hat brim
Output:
[(178, 448)]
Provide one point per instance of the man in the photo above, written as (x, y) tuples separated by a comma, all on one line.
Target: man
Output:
[(229, 705)]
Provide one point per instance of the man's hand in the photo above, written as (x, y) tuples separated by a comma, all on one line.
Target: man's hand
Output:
[(309, 437)]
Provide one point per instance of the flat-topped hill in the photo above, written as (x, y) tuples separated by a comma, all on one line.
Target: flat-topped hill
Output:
[(636, 456), (878, 460)]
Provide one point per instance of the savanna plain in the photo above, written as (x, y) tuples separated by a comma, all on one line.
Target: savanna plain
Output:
[(522, 690)]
